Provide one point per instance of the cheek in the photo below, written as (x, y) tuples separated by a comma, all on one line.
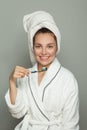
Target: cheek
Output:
[(36, 52), (53, 52)]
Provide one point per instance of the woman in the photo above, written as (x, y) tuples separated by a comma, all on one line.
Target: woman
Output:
[(46, 97)]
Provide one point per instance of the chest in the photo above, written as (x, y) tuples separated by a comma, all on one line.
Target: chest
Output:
[(49, 92), (40, 77), (52, 97)]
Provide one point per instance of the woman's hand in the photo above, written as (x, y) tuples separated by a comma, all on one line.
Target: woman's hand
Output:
[(18, 72)]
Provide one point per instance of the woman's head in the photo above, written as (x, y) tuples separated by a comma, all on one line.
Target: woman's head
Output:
[(34, 22), (44, 46)]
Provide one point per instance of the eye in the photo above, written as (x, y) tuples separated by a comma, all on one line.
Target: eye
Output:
[(37, 46), (50, 46)]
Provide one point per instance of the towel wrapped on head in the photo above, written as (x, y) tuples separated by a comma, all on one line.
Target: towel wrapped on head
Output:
[(35, 21)]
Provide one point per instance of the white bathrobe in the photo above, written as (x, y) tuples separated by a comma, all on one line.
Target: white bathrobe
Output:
[(52, 105)]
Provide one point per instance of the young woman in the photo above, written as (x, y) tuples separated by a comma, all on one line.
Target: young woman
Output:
[(46, 95)]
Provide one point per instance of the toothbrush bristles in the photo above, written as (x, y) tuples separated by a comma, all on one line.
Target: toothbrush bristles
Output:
[(43, 69)]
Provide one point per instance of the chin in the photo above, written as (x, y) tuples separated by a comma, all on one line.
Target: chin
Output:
[(45, 63)]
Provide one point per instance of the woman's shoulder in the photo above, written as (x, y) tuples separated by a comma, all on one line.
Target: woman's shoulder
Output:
[(70, 82), (68, 77), (67, 73)]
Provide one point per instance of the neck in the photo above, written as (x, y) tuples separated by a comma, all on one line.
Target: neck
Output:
[(41, 66)]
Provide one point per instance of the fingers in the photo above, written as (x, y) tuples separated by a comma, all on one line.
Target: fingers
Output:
[(19, 72)]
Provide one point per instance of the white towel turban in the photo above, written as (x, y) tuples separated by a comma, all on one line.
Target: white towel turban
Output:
[(35, 21)]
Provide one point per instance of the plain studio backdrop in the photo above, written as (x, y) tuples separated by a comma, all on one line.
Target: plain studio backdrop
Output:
[(71, 18)]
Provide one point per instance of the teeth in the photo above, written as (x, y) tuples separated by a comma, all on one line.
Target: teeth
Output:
[(44, 57)]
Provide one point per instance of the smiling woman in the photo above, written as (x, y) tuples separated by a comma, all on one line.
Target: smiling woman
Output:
[(45, 47), (47, 100)]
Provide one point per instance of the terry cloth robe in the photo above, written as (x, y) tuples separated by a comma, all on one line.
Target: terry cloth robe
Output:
[(52, 105)]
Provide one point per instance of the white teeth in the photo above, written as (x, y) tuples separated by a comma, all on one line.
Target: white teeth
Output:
[(44, 57)]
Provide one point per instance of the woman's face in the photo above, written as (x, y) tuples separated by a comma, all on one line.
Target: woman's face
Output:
[(45, 48)]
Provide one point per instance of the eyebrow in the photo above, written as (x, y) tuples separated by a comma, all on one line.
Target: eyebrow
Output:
[(41, 44)]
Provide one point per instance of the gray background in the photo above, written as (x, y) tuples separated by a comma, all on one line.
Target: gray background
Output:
[(71, 18)]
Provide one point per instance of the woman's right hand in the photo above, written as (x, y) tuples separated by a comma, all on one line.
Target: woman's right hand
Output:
[(18, 72)]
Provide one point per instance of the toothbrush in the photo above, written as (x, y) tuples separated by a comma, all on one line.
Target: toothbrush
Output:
[(43, 69)]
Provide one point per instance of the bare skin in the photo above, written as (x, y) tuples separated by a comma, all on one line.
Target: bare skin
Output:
[(18, 72)]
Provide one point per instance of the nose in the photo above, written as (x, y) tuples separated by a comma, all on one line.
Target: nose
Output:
[(43, 50)]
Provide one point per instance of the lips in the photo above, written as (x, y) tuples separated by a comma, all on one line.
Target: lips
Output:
[(44, 57)]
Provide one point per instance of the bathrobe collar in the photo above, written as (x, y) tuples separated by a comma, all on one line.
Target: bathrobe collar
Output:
[(48, 78)]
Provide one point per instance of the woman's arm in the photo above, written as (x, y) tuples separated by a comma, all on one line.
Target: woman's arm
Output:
[(18, 72), (71, 107)]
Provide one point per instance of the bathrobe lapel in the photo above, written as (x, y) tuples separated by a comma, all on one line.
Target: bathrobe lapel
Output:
[(50, 74), (46, 81), (38, 103)]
